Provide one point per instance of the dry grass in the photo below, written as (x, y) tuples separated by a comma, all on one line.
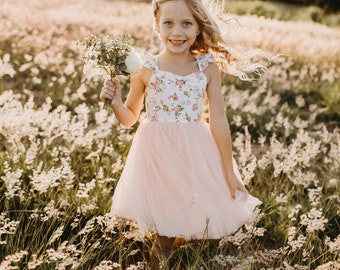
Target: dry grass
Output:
[(61, 154)]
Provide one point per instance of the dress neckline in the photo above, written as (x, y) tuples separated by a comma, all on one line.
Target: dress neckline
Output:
[(176, 74)]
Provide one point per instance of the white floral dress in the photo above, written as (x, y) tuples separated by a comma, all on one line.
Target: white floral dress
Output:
[(173, 180)]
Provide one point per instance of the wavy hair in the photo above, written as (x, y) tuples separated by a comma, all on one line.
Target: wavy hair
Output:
[(230, 57)]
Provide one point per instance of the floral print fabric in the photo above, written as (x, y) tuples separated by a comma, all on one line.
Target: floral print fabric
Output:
[(175, 98)]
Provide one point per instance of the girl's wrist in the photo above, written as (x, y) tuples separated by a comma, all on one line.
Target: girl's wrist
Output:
[(116, 105)]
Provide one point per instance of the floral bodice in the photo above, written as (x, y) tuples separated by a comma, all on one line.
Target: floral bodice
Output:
[(175, 98)]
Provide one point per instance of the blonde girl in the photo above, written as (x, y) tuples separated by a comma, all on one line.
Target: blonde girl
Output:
[(180, 179)]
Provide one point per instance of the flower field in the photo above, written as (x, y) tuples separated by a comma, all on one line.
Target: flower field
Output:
[(61, 154)]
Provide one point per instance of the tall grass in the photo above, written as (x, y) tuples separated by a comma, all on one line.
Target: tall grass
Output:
[(283, 11), (61, 155)]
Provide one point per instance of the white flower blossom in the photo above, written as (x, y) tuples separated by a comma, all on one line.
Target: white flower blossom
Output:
[(107, 265), (15, 258), (313, 220), (5, 67), (12, 182), (133, 62), (334, 246)]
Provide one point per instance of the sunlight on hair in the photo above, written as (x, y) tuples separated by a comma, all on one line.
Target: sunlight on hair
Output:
[(242, 61)]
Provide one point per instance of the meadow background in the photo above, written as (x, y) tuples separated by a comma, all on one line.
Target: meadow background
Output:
[(61, 154)]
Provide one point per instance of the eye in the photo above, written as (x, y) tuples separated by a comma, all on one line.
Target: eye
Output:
[(167, 23), (187, 24)]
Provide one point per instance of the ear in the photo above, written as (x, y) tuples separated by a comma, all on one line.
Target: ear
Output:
[(198, 33)]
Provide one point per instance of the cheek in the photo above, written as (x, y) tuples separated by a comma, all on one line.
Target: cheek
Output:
[(161, 32), (193, 33)]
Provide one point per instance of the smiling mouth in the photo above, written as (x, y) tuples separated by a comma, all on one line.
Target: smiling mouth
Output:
[(177, 42)]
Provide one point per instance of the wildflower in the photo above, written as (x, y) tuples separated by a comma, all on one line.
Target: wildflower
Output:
[(34, 262), (91, 205), (314, 196), (84, 189), (313, 220), (138, 266), (295, 244), (237, 120), (282, 198), (248, 171), (15, 258), (294, 211), (79, 94), (268, 257), (42, 181), (224, 260), (12, 182), (49, 211), (107, 265), (244, 264), (5, 67), (7, 226), (65, 255), (295, 267), (299, 177), (300, 101), (334, 265), (246, 232), (56, 234), (31, 154), (334, 246)]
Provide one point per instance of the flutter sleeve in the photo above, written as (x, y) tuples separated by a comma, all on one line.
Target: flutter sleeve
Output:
[(204, 60), (149, 61)]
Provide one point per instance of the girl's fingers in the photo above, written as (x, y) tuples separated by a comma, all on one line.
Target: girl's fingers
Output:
[(107, 94), (115, 82), (110, 89)]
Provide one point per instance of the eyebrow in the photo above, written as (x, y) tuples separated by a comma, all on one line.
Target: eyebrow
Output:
[(191, 20)]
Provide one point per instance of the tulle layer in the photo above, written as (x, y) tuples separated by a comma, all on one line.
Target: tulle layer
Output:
[(173, 183)]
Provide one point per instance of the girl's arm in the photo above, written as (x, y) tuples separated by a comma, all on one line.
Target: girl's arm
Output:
[(220, 128), (127, 113)]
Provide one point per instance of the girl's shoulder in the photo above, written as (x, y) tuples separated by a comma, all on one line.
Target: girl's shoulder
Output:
[(149, 61)]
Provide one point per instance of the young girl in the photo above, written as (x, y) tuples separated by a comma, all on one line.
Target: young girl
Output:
[(180, 179)]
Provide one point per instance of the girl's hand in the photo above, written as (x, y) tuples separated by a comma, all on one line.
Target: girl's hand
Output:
[(111, 90), (235, 185)]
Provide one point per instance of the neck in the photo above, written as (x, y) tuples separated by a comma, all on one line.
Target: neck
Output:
[(178, 58)]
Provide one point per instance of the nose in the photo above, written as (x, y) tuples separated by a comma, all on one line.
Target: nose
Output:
[(177, 30)]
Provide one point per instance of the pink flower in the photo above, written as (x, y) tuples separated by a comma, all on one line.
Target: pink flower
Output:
[(180, 82), (177, 109), (156, 84)]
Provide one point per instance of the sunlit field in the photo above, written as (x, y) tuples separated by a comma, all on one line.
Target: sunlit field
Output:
[(61, 153)]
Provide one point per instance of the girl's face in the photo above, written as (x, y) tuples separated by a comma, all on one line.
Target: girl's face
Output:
[(177, 26)]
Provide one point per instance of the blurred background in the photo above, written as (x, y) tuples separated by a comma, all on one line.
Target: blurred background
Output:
[(61, 153)]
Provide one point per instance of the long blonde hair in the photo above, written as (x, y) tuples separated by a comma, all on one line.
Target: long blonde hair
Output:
[(231, 58)]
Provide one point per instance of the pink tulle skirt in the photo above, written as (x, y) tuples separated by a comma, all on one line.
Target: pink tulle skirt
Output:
[(173, 183)]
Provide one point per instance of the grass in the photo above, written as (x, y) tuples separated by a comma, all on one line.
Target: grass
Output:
[(61, 154), (282, 11)]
